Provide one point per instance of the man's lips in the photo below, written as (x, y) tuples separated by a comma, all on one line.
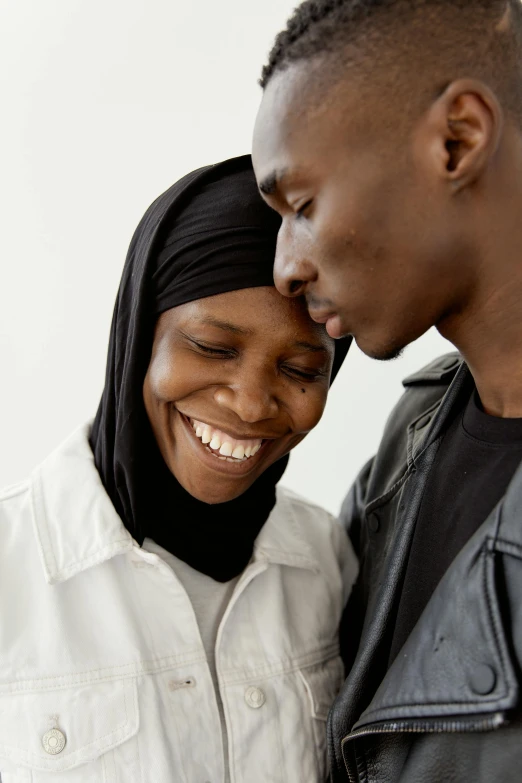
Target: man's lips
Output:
[(320, 316), (332, 321)]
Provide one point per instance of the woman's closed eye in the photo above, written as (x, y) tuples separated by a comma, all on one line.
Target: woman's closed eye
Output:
[(216, 351), (301, 374), (219, 352)]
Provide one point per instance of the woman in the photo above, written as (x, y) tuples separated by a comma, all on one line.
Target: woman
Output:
[(167, 613)]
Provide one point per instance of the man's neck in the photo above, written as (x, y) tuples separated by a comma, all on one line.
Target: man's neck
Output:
[(489, 336)]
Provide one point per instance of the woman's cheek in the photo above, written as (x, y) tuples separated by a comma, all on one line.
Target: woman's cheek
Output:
[(171, 379), (310, 405)]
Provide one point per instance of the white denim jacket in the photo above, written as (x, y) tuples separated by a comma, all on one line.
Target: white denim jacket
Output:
[(103, 675)]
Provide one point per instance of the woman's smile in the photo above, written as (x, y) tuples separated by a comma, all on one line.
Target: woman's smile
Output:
[(227, 395), (221, 451)]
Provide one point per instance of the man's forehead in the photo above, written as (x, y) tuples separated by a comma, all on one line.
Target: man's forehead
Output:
[(278, 133), (295, 124), (274, 118)]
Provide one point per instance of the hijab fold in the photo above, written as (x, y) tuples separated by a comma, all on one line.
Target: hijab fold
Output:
[(210, 233)]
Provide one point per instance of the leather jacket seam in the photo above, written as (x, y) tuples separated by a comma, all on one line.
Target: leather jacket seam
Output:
[(402, 711), (382, 499), (506, 547), (428, 444), (496, 625), (361, 764)]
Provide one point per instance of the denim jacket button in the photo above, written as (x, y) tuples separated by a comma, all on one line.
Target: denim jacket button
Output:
[(53, 741), (255, 698)]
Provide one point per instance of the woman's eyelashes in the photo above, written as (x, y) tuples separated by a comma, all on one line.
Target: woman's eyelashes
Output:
[(218, 352), (298, 374), (303, 375)]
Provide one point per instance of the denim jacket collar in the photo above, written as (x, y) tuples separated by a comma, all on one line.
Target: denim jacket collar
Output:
[(77, 526)]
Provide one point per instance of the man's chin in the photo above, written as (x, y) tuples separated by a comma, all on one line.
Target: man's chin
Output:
[(383, 353)]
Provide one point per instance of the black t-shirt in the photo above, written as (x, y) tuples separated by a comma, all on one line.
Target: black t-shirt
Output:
[(477, 459)]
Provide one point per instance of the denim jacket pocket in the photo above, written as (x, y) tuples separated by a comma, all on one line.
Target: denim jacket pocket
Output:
[(67, 735)]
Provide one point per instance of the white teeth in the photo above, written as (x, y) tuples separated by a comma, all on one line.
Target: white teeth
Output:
[(215, 443), (229, 449), (238, 453)]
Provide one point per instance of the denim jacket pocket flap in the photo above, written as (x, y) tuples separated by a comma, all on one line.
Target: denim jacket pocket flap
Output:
[(58, 730), (323, 682)]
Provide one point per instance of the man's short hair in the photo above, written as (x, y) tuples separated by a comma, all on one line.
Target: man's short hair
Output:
[(412, 43)]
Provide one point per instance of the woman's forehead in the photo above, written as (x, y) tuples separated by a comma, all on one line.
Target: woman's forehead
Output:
[(251, 312)]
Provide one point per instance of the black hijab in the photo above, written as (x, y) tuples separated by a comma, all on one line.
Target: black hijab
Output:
[(210, 233)]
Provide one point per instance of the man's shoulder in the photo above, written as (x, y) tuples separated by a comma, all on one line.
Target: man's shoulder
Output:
[(422, 391), (441, 370)]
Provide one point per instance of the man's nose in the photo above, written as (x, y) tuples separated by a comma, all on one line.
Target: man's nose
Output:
[(292, 270)]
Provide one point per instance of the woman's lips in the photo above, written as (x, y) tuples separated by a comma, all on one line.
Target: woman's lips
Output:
[(220, 442), (219, 461)]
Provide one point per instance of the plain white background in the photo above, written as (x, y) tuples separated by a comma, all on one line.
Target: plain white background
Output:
[(105, 103)]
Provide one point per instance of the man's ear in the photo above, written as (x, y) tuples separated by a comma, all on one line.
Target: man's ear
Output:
[(463, 128)]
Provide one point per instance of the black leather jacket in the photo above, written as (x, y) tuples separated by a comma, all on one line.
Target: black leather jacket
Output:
[(447, 710)]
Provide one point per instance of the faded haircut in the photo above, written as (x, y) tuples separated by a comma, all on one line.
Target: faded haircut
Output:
[(416, 47)]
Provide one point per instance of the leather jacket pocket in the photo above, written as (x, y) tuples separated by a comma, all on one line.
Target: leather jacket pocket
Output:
[(68, 735), (322, 683)]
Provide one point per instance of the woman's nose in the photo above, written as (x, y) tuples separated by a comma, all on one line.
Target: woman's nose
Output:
[(251, 400)]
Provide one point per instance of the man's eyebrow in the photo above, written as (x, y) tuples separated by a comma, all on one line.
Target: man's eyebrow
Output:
[(225, 325), (271, 182)]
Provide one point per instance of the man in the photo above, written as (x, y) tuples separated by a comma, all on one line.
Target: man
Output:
[(389, 139)]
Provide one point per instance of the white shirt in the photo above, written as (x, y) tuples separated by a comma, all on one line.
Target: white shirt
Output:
[(209, 600), (104, 677)]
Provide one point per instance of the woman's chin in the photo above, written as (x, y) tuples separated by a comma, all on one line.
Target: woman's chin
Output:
[(208, 493)]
